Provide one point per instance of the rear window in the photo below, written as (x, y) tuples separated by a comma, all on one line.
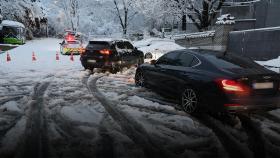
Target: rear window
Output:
[(187, 60), (169, 59), (98, 45), (128, 45), (231, 62)]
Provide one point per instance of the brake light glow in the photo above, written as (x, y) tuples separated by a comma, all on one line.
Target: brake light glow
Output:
[(70, 38), (232, 86), (105, 52)]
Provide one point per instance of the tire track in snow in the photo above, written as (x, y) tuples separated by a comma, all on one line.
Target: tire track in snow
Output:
[(270, 117), (105, 145), (271, 140), (35, 141), (256, 139), (7, 99), (233, 147), (130, 127), (77, 143), (180, 113)]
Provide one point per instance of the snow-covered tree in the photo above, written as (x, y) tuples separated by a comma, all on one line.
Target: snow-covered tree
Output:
[(125, 12), (155, 11), (28, 12), (200, 12), (204, 14), (71, 11)]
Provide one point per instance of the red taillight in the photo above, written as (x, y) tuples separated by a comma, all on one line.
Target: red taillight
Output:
[(70, 38), (232, 86), (105, 52)]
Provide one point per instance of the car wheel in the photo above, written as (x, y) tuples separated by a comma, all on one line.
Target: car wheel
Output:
[(189, 101), (88, 67), (115, 70), (140, 79), (148, 56)]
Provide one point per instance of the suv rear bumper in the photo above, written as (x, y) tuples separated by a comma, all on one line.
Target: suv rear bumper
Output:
[(87, 62)]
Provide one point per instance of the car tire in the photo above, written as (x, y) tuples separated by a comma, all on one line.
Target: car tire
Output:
[(88, 67), (148, 56), (140, 79), (115, 70), (190, 100)]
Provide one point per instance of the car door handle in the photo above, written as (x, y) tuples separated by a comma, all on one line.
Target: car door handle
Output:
[(162, 70)]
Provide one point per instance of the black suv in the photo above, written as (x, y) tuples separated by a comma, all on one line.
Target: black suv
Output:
[(112, 55)]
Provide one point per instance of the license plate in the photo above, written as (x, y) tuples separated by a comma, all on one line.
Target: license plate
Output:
[(267, 85), (92, 61)]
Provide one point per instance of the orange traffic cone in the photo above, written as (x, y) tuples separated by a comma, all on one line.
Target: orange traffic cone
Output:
[(8, 57), (57, 56), (72, 57), (33, 57)]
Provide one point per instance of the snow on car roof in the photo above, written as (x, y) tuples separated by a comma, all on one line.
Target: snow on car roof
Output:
[(148, 41), (12, 23), (163, 45), (194, 35), (108, 39)]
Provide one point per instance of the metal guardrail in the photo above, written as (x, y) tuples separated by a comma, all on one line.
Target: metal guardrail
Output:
[(192, 35), (234, 3)]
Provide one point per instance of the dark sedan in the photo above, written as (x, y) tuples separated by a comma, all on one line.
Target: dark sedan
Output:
[(201, 80)]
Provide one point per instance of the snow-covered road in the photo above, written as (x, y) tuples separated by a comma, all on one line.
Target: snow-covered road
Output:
[(55, 109)]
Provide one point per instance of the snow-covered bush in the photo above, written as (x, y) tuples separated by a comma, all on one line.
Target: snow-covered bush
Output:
[(225, 19), (28, 12)]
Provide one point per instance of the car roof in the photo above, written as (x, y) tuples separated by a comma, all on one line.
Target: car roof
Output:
[(203, 52), (109, 40)]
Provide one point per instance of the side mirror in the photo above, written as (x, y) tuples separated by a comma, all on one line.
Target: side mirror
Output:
[(153, 62), (60, 43)]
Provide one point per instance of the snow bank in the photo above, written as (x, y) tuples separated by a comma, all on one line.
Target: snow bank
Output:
[(157, 46), (273, 64), (225, 19), (150, 41), (11, 106), (45, 52), (194, 35)]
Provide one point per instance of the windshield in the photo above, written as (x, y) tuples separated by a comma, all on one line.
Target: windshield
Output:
[(10, 32), (98, 45)]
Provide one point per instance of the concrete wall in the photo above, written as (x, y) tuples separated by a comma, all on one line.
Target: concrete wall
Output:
[(240, 12), (262, 44), (218, 41), (272, 13), (264, 13)]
